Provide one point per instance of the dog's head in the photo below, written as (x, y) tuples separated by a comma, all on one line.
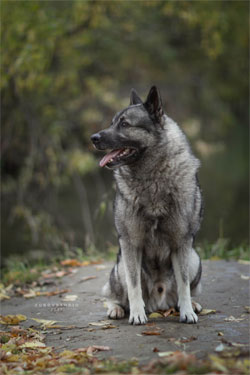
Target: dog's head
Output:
[(132, 130)]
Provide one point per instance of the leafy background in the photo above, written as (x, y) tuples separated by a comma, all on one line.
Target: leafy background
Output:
[(68, 66)]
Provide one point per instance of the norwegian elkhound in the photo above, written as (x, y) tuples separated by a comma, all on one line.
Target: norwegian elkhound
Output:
[(158, 209)]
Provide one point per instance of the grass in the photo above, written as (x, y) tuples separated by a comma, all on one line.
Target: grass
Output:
[(20, 270), (222, 250)]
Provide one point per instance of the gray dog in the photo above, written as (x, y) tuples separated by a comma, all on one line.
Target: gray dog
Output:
[(158, 209)]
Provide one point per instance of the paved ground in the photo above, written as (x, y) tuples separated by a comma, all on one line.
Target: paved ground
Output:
[(224, 290)]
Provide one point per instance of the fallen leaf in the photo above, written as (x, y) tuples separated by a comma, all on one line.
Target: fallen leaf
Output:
[(220, 348), (151, 333), (86, 263), (247, 308), (53, 292), (109, 326), (71, 262), (99, 324), (155, 315), (241, 261), (245, 277), (30, 294), (55, 274), (218, 364), (45, 322), (101, 267), (233, 319), (3, 296), (12, 319), (90, 350), (70, 298), (165, 354), (169, 312), (33, 345), (207, 312), (156, 350), (87, 278), (183, 340)]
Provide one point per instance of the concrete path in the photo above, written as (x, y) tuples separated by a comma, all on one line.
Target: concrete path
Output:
[(225, 289)]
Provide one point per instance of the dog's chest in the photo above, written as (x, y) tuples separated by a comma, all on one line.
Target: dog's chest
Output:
[(153, 197)]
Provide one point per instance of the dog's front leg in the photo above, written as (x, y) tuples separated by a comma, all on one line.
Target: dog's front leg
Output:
[(132, 256), (180, 260)]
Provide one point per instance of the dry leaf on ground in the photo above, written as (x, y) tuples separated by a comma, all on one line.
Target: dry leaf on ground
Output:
[(168, 312), (86, 278), (151, 333), (207, 312), (12, 319), (45, 322), (71, 263), (245, 277), (184, 340), (247, 308), (233, 319), (155, 315), (33, 345), (241, 261), (3, 296), (90, 350), (70, 298), (165, 354)]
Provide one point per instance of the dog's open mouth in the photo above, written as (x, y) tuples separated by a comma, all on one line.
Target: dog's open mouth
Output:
[(119, 156)]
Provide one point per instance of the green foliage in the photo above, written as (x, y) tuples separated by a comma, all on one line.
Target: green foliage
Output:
[(221, 250), (67, 66)]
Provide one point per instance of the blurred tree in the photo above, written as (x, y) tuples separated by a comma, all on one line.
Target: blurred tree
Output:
[(67, 66)]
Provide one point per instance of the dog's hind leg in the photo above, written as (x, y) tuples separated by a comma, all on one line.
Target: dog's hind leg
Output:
[(180, 260), (115, 311), (195, 270), (115, 296)]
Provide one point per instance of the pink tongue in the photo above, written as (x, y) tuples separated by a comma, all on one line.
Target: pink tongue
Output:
[(109, 156)]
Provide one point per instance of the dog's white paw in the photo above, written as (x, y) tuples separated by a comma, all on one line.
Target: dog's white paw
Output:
[(116, 312), (196, 307), (137, 315), (188, 316)]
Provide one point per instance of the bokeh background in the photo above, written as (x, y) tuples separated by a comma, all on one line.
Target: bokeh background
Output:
[(68, 66)]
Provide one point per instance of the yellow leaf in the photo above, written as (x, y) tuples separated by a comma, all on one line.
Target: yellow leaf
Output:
[(155, 315), (13, 358), (215, 257), (207, 312), (3, 296), (12, 319), (33, 344)]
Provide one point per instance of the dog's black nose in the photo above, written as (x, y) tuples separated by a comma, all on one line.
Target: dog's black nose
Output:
[(95, 138)]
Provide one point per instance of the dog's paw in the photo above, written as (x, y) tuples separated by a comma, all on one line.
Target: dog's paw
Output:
[(138, 316), (116, 312), (188, 316), (196, 307)]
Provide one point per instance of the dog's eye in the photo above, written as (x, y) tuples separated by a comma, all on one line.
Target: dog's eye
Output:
[(124, 124)]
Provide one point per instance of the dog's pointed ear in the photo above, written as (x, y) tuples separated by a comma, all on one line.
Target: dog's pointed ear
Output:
[(134, 98), (153, 105)]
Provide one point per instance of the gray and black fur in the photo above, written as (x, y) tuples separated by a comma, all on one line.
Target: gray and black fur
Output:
[(158, 210)]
